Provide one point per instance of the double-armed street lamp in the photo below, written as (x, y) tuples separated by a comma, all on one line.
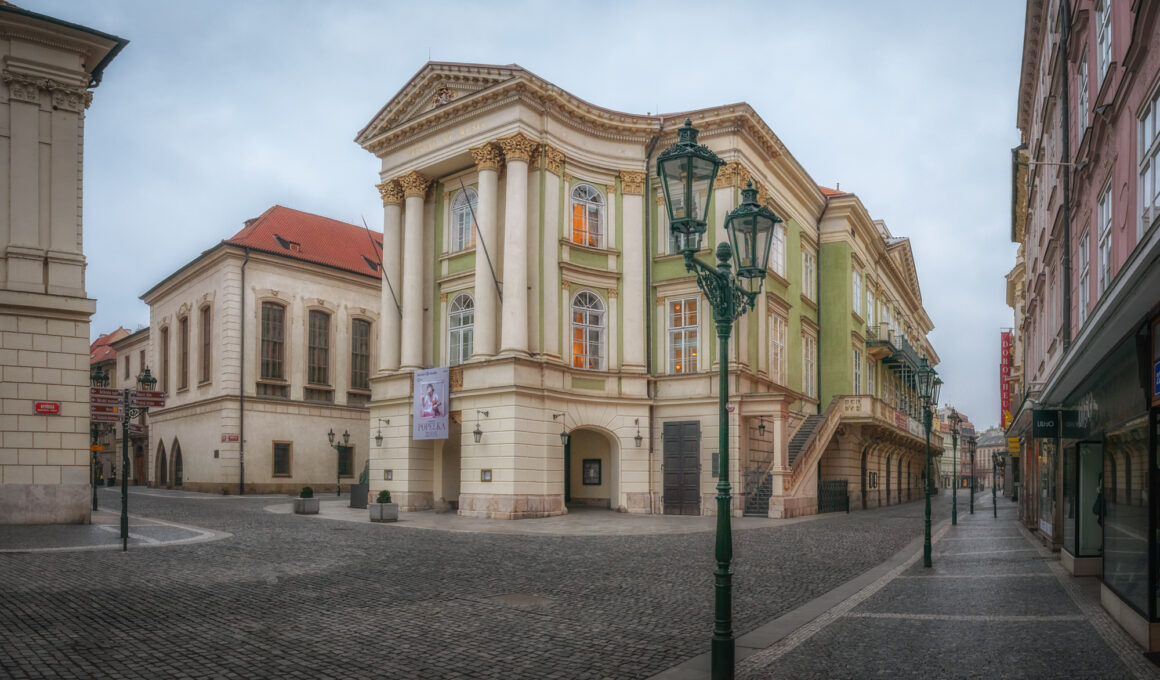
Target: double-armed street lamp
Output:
[(98, 378), (974, 475), (338, 458), (928, 386), (994, 483), (136, 402), (687, 171), (956, 426)]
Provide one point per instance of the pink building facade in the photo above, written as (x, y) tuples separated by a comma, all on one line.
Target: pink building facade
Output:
[(1085, 213)]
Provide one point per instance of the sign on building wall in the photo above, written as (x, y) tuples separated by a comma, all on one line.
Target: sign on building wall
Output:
[(430, 404), (1005, 378)]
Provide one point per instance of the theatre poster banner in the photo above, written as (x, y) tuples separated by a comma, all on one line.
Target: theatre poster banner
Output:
[(430, 405), (1005, 379)]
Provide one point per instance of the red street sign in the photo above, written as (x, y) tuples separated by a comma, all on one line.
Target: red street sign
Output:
[(147, 398), (229, 437), (104, 417), (104, 391), (136, 428), (46, 408), (102, 408), (106, 401)]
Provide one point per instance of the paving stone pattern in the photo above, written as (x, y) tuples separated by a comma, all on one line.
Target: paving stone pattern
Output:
[(296, 597)]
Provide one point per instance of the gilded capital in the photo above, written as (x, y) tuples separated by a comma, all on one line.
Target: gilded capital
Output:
[(487, 157), (555, 159), (632, 182), (391, 192), (518, 147), (613, 293), (414, 184)]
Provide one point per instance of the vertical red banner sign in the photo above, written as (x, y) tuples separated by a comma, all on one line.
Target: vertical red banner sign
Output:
[(1005, 378)]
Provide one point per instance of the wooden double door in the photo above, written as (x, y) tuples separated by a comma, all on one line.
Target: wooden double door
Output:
[(682, 468)]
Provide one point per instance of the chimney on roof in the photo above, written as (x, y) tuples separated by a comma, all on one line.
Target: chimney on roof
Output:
[(250, 221)]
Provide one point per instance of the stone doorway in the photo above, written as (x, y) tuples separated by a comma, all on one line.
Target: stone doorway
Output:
[(682, 468)]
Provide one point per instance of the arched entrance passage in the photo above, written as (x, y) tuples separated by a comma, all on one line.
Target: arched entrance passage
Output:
[(592, 463), (177, 468), (139, 464), (162, 468)]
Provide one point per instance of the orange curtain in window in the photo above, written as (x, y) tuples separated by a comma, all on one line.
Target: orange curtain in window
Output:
[(578, 228)]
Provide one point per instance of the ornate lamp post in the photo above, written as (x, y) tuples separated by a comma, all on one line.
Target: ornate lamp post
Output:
[(338, 459), (956, 423), (974, 474), (98, 378), (687, 171), (147, 382), (927, 386)]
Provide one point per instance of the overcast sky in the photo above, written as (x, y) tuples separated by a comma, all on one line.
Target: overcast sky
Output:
[(219, 109)]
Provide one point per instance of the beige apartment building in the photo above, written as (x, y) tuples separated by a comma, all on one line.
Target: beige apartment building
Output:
[(47, 70)]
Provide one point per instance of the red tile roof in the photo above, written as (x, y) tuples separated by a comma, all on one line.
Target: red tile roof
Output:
[(826, 191), (312, 238), (100, 350)]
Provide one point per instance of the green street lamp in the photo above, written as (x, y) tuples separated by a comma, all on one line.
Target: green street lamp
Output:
[(974, 476), (98, 378), (956, 425), (687, 171), (994, 484), (338, 459), (145, 381), (928, 385)]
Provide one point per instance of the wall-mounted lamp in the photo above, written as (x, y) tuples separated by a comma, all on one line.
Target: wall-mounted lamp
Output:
[(564, 436), (638, 439), (379, 434), (760, 426), (478, 433)]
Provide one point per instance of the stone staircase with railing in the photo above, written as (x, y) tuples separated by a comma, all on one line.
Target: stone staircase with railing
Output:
[(759, 479)]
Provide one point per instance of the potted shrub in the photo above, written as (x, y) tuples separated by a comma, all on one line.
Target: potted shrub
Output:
[(306, 503), (383, 510)]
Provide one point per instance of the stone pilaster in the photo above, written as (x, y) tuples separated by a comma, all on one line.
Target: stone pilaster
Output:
[(414, 189), (389, 340), (632, 190)]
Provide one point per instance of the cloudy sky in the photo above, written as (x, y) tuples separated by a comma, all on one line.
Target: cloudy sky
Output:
[(219, 109)]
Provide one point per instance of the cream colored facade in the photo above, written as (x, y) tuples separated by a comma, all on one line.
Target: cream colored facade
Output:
[(220, 424), (47, 70)]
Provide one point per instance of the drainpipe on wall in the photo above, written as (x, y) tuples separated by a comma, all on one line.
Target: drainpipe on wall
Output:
[(242, 384), (648, 318), (818, 302), (1065, 122)]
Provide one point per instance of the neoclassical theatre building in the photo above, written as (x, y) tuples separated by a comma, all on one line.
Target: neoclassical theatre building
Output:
[(526, 248)]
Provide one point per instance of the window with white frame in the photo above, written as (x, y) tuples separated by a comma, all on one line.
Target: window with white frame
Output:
[(858, 292), (778, 369), (809, 365), (1085, 276), (683, 337), (869, 306), (857, 371), (777, 249), (1081, 97), (1149, 155), (1052, 315), (1103, 39), (871, 369), (460, 328), (462, 220), (588, 331), (809, 273), (587, 216), (1104, 220)]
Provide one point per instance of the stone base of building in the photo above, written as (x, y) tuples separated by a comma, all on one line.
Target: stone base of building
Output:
[(642, 503), (1146, 633), (603, 503), (413, 501), (785, 507), (513, 506), (45, 503), (1081, 566)]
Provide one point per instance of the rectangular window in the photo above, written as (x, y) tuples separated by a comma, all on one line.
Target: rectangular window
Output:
[(183, 353), (1104, 220), (777, 249), (683, 320), (871, 369), (273, 340), (1149, 154), (360, 354), (809, 366), (165, 360), (141, 361), (1085, 276), (206, 338), (809, 274), (1103, 38), (126, 369), (318, 349), (346, 461), (777, 349), (858, 292), (1052, 315), (870, 304), (1081, 97), (857, 371), (282, 459)]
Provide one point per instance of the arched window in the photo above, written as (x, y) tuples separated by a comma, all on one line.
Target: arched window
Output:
[(460, 326), (462, 224), (588, 331), (587, 216)]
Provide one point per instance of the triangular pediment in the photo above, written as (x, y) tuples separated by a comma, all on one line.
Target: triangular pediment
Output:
[(436, 85), (903, 258)]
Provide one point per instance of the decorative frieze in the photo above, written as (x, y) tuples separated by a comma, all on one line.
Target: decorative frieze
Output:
[(518, 147), (487, 157), (391, 191), (632, 182), (23, 88), (414, 184), (27, 89)]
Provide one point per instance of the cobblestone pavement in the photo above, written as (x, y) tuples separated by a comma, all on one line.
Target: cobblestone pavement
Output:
[(994, 604), (295, 597)]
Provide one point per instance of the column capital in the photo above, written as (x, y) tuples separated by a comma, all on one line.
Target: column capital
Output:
[(487, 157), (632, 182), (414, 184), (391, 191), (518, 147), (731, 174), (553, 159)]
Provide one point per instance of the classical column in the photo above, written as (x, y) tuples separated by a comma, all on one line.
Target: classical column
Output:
[(517, 151), (549, 269), (632, 195), (414, 189), (392, 193), (487, 161)]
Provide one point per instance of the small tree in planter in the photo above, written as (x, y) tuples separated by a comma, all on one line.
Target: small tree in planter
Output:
[(383, 510), (306, 503)]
